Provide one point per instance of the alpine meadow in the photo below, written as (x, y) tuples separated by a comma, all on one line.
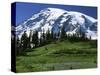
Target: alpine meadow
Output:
[(53, 38)]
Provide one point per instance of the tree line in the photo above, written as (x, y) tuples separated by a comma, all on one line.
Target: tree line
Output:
[(25, 43)]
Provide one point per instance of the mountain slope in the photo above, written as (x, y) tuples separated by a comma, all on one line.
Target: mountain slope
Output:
[(55, 18)]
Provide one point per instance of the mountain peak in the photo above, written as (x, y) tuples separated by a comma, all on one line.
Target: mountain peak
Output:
[(54, 9), (55, 18)]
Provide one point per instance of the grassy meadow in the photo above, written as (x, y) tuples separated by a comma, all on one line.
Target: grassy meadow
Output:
[(59, 55)]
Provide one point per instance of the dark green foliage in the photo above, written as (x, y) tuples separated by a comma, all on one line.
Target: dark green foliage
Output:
[(30, 39), (43, 38), (21, 44), (48, 36), (19, 47), (63, 33), (52, 34), (24, 41), (35, 40), (40, 41)]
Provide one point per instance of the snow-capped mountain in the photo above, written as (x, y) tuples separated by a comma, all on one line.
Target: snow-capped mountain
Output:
[(55, 18)]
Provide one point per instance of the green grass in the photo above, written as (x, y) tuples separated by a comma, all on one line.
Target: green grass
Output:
[(61, 55)]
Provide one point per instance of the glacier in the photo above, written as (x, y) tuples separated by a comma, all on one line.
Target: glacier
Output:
[(55, 18)]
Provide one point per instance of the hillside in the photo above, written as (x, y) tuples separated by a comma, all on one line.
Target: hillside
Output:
[(59, 55)]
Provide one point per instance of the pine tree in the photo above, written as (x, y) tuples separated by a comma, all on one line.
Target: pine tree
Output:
[(40, 42), (83, 36), (30, 39), (52, 35), (43, 37), (48, 36), (55, 36), (62, 33), (35, 40), (24, 41), (58, 35)]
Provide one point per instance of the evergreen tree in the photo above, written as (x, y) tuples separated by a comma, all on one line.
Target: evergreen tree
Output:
[(48, 36), (40, 42), (30, 39), (43, 37), (83, 36), (24, 41), (58, 35), (62, 33), (55, 36), (35, 40), (52, 35)]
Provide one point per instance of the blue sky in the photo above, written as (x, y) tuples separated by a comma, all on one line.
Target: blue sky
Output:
[(26, 10)]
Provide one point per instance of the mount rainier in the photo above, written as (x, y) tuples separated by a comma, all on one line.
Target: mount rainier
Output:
[(55, 18)]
